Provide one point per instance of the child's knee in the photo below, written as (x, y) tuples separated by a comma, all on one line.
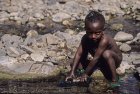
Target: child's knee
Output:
[(107, 54)]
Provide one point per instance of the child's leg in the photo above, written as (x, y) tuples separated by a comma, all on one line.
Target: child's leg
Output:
[(108, 64)]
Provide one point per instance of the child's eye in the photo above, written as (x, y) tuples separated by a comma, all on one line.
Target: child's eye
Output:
[(97, 33)]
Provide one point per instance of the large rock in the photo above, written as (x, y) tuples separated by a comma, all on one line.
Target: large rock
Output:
[(122, 36)]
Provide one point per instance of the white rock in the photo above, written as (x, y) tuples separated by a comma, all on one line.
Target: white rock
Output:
[(25, 56), (11, 40), (122, 36), (119, 43), (40, 25), (52, 39), (38, 56), (125, 47), (136, 62), (59, 17)]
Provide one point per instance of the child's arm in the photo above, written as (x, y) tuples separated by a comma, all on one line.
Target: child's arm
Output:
[(75, 61), (98, 53)]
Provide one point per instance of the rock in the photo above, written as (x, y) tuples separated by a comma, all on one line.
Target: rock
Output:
[(2, 52), (38, 56), (45, 69), (136, 40), (123, 67), (31, 38), (119, 43), (32, 33), (138, 70), (49, 70), (136, 62), (125, 47), (117, 27), (66, 22), (11, 40), (134, 56), (71, 32), (52, 39), (51, 53), (14, 50), (62, 35), (126, 57), (40, 25), (24, 56), (59, 17), (122, 36), (8, 62), (28, 49), (39, 16)]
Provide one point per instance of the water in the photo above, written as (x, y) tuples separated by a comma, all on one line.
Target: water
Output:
[(129, 85)]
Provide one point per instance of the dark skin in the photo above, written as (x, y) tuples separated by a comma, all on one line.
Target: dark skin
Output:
[(103, 49)]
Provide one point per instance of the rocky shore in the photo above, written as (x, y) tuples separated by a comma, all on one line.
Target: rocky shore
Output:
[(49, 53)]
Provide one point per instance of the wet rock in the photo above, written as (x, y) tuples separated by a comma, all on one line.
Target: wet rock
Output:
[(125, 47), (59, 17), (122, 36)]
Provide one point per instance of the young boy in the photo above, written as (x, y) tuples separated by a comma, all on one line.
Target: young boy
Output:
[(106, 54)]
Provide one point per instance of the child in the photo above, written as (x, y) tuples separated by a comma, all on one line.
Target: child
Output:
[(106, 54)]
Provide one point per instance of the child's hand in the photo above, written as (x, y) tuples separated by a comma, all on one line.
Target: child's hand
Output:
[(70, 77), (83, 78)]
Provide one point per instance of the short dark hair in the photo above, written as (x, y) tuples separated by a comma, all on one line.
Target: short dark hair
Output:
[(95, 16)]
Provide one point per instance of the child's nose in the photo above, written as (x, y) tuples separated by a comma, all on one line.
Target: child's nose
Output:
[(93, 36)]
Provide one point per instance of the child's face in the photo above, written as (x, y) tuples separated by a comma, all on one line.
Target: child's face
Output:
[(94, 30)]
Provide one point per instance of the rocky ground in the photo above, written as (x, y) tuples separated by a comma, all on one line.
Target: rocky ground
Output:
[(42, 36)]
